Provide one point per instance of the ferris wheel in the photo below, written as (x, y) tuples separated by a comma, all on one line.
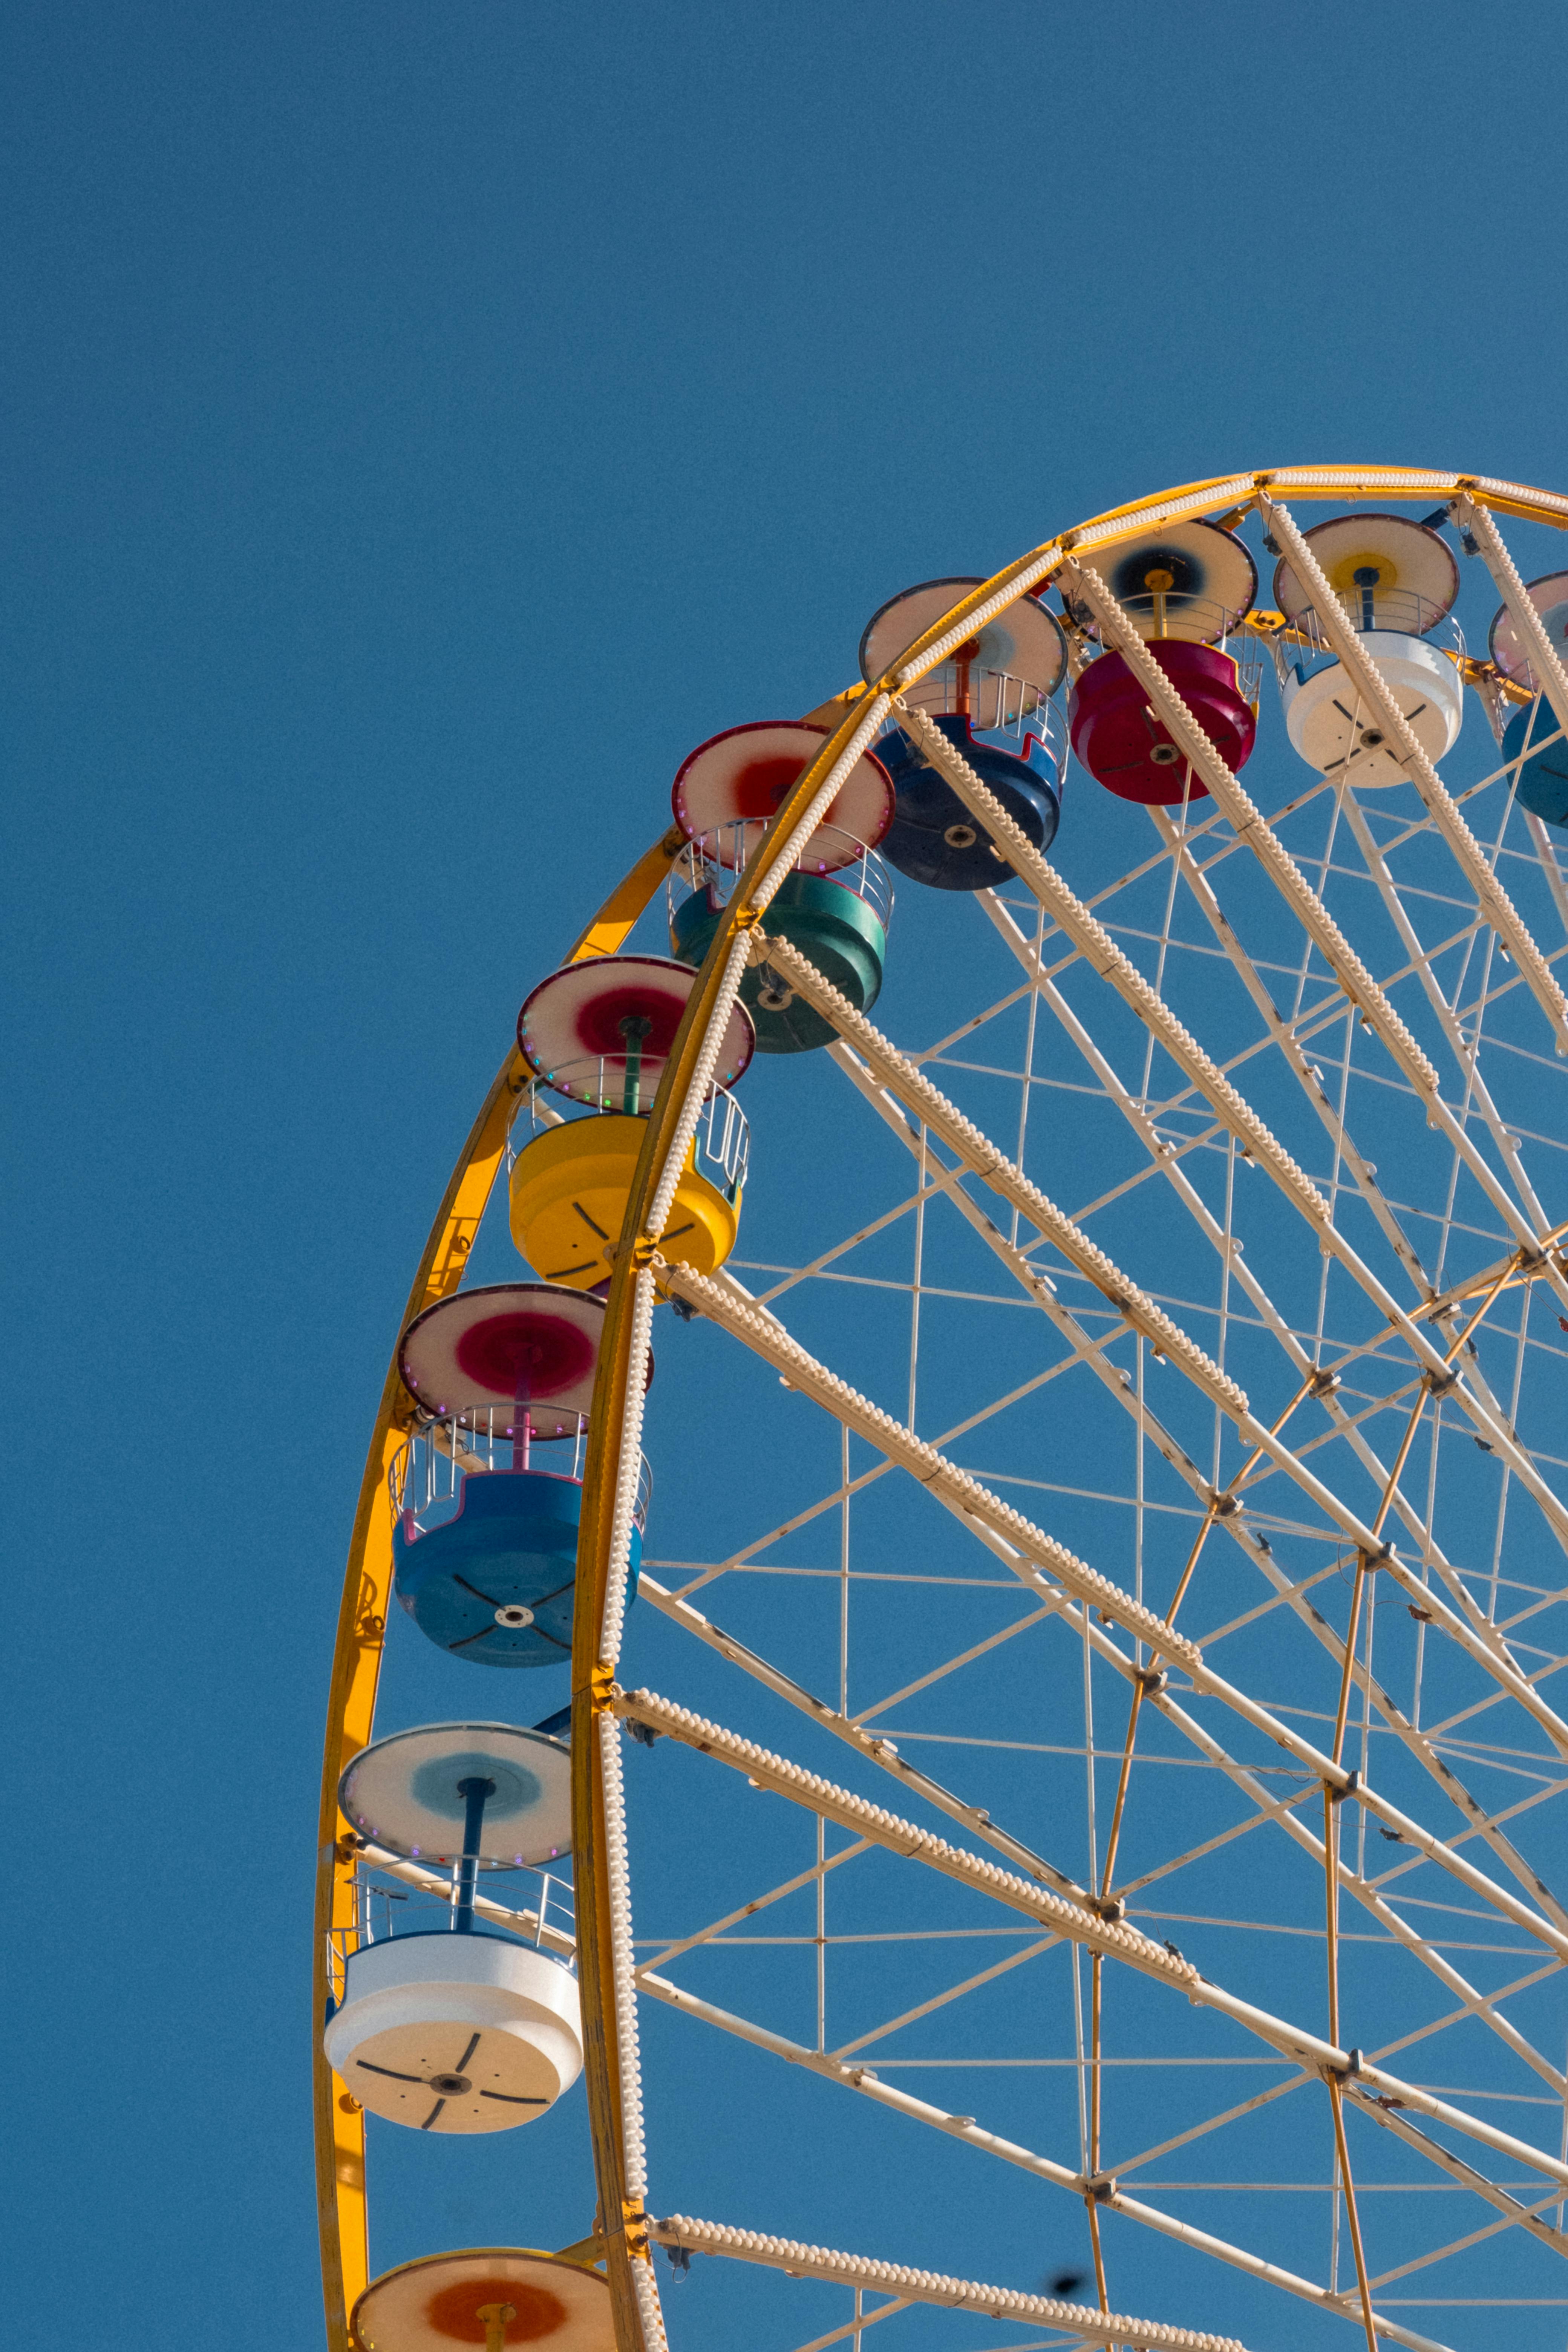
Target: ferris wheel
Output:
[(1040, 1821)]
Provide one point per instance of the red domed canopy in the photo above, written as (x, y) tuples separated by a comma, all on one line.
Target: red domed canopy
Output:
[(1022, 648), (593, 1029), (731, 787), (535, 1343), (444, 2299)]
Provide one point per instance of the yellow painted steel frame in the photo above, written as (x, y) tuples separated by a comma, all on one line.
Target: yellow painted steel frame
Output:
[(340, 2126), (361, 1617)]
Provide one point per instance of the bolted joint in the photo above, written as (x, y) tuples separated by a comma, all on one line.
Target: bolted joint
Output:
[(1381, 1557), (1338, 1791), (1109, 1907), (1100, 2189), (1152, 1680), (746, 919), (602, 1691), (635, 2222), (1437, 1384), (645, 1251), (1323, 1383)]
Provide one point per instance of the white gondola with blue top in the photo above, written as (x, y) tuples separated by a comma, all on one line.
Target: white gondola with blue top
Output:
[(451, 2026)]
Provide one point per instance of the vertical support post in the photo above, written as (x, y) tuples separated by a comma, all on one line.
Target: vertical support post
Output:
[(634, 1027), (495, 2317), (474, 1794)]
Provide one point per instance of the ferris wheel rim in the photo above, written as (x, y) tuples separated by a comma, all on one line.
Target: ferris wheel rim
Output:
[(356, 1654)]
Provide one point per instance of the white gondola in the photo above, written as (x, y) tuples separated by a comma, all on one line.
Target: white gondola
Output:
[(1396, 581), (456, 2033), (457, 2028)]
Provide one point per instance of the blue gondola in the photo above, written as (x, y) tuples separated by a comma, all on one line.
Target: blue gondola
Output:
[(1533, 737), (484, 1539), (991, 698)]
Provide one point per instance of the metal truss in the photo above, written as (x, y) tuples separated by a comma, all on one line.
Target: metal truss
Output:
[(1311, 1421), (1253, 1149)]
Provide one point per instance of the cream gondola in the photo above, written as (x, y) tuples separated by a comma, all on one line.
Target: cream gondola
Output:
[(1395, 580)]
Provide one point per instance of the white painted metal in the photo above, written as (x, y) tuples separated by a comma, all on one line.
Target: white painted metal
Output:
[(1331, 727), (925, 2286), (456, 2033), (1346, 982)]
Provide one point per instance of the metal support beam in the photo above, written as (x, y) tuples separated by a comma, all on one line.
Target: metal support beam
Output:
[(931, 2286), (1365, 675)]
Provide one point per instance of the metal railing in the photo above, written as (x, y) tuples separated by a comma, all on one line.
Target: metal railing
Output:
[(383, 1909), (1398, 610), (1044, 722), (1165, 613), (713, 860), (993, 701), (608, 1083), (424, 1480), (1243, 650)]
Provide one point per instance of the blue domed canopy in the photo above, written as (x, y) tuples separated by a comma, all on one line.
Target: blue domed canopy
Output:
[(406, 1793), (1193, 581)]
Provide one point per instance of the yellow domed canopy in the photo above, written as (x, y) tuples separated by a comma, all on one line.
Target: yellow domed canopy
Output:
[(1387, 571)]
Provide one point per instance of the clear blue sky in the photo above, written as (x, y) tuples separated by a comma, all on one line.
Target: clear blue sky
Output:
[(424, 425)]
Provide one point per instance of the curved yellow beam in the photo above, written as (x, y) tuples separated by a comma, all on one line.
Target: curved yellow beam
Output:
[(367, 1595), (340, 2131)]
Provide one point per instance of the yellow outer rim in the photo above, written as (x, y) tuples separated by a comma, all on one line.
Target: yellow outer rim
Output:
[(367, 1583)]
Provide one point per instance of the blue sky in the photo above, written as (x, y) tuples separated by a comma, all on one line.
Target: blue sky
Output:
[(424, 425)]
